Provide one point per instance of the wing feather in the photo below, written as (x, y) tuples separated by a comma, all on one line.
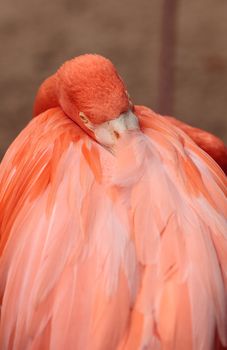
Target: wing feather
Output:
[(180, 236), (64, 271), (103, 252)]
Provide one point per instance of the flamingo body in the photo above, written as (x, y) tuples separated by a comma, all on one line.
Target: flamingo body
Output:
[(118, 244)]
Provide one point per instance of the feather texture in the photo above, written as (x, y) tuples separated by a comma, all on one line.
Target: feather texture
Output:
[(139, 268), (111, 251)]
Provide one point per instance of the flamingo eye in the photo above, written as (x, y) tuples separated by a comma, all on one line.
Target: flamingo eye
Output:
[(86, 121), (83, 117)]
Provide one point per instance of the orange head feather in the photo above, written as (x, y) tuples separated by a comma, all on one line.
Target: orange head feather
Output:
[(90, 84)]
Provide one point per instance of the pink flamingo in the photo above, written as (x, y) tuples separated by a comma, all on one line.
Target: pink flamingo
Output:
[(113, 224)]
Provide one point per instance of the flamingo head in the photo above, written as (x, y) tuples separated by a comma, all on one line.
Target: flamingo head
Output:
[(91, 92)]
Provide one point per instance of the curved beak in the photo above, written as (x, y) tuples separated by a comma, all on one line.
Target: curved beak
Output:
[(109, 132)]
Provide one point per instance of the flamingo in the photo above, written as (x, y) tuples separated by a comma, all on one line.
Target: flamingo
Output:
[(113, 224)]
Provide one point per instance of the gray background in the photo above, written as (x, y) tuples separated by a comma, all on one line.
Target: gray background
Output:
[(37, 36)]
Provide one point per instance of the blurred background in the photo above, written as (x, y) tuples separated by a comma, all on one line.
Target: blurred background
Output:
[(172, 54)]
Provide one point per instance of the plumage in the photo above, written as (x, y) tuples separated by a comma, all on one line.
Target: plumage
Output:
[(118, 244), (207, 141)]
